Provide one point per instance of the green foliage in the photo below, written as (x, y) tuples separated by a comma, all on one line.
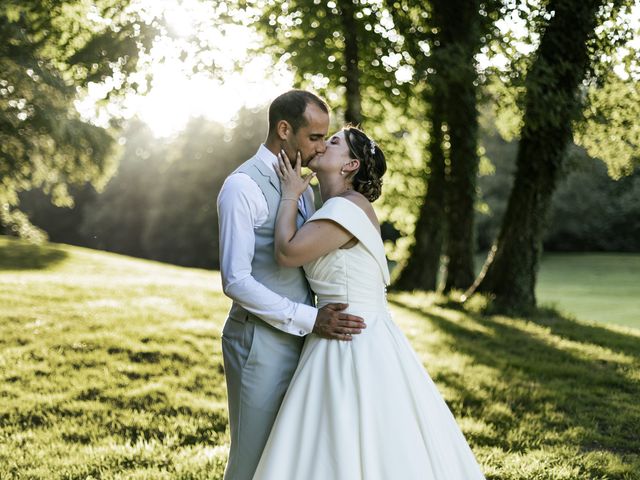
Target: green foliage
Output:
[(494, 187), (608, 101), (161, 203), (49, 51), (442, 39), (182, 220), (504, 102), (552, 104), (17, 223), (403, 139), (610, 130), (590, 211), (59, 223), (309, 36), (112, 368)]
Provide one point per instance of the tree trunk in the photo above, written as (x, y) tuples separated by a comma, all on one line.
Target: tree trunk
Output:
[(460, 34), (353, 112), (455, 29), (421, 271), (551, 104), (462, 119)]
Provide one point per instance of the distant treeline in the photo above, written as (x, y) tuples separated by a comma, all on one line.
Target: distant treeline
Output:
[(590, 210), (161, 204)]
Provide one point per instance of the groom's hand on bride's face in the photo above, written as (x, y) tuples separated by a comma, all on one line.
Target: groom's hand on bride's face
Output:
[(332, 323)]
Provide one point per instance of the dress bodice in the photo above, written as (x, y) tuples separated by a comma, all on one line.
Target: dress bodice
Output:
[(357, 275), (376, 413)]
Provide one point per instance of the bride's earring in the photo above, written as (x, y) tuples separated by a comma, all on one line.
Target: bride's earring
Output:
[(341, 172)]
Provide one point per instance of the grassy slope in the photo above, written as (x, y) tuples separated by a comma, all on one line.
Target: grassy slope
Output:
[(111, 368)]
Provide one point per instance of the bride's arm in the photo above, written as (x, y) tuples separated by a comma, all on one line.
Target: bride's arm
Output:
[(294, 248), (312, 241)]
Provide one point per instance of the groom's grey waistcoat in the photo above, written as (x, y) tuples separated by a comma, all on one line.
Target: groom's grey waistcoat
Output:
[(259, 360), (286, 281)]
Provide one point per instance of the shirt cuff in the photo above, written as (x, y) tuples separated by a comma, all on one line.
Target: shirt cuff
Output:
[(304, 319)]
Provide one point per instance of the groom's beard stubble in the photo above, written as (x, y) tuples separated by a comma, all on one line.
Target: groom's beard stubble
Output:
[(290, 151)]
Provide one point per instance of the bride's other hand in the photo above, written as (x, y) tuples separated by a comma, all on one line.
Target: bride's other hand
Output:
[(292, 183)]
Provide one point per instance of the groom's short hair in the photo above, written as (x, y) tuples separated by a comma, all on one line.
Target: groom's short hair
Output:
[(290, 106)]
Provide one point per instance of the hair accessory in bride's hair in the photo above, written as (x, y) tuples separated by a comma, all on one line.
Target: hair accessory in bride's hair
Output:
[(373, 147)]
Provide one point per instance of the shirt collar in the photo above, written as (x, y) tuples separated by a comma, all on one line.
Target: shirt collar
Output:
[(266, 156)]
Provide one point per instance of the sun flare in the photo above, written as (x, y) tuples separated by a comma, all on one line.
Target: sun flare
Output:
[(177, 94), (192, 82)]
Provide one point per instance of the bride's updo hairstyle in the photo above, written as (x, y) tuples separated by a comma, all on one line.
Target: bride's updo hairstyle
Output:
[(368, 178)]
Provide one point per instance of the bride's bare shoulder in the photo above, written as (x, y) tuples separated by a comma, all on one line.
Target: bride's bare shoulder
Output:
[(362, 202)]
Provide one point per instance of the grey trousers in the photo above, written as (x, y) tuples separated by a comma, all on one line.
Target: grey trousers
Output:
[(259, 361)]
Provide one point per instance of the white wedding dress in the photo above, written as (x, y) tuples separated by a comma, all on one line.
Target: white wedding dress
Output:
[(365, 409)]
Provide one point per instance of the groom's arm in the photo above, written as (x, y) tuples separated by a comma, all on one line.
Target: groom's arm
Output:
[(242, 208)]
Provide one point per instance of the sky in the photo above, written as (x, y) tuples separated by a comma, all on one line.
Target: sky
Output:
[(177, 94)]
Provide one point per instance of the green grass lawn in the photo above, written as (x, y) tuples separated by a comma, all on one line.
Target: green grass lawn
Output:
[(111, 368), (603, 287)]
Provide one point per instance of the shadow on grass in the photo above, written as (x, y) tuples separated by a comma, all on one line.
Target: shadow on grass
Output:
[(16, 255), (628, 344), (559, 385), (567, 327)]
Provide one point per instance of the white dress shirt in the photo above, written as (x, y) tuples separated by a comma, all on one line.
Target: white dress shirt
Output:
[(242, 208)]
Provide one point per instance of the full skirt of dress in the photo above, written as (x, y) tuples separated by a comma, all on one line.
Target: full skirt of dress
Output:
[(365, 410)]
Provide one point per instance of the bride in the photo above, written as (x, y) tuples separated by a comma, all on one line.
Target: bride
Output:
[(366, 408)]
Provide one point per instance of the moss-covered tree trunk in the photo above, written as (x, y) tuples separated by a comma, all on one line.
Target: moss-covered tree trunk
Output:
[(462, 120), (454, 31), (421, 270), (460, 33), (551, 104), (353, 111)]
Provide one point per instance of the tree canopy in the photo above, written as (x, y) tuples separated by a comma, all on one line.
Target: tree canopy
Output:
[(413, 73), (49, 52)]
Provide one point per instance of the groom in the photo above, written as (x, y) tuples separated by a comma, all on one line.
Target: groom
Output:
[(272, 305)]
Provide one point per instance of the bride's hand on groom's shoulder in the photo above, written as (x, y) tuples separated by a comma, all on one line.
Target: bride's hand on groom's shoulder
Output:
[(292, 183)]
